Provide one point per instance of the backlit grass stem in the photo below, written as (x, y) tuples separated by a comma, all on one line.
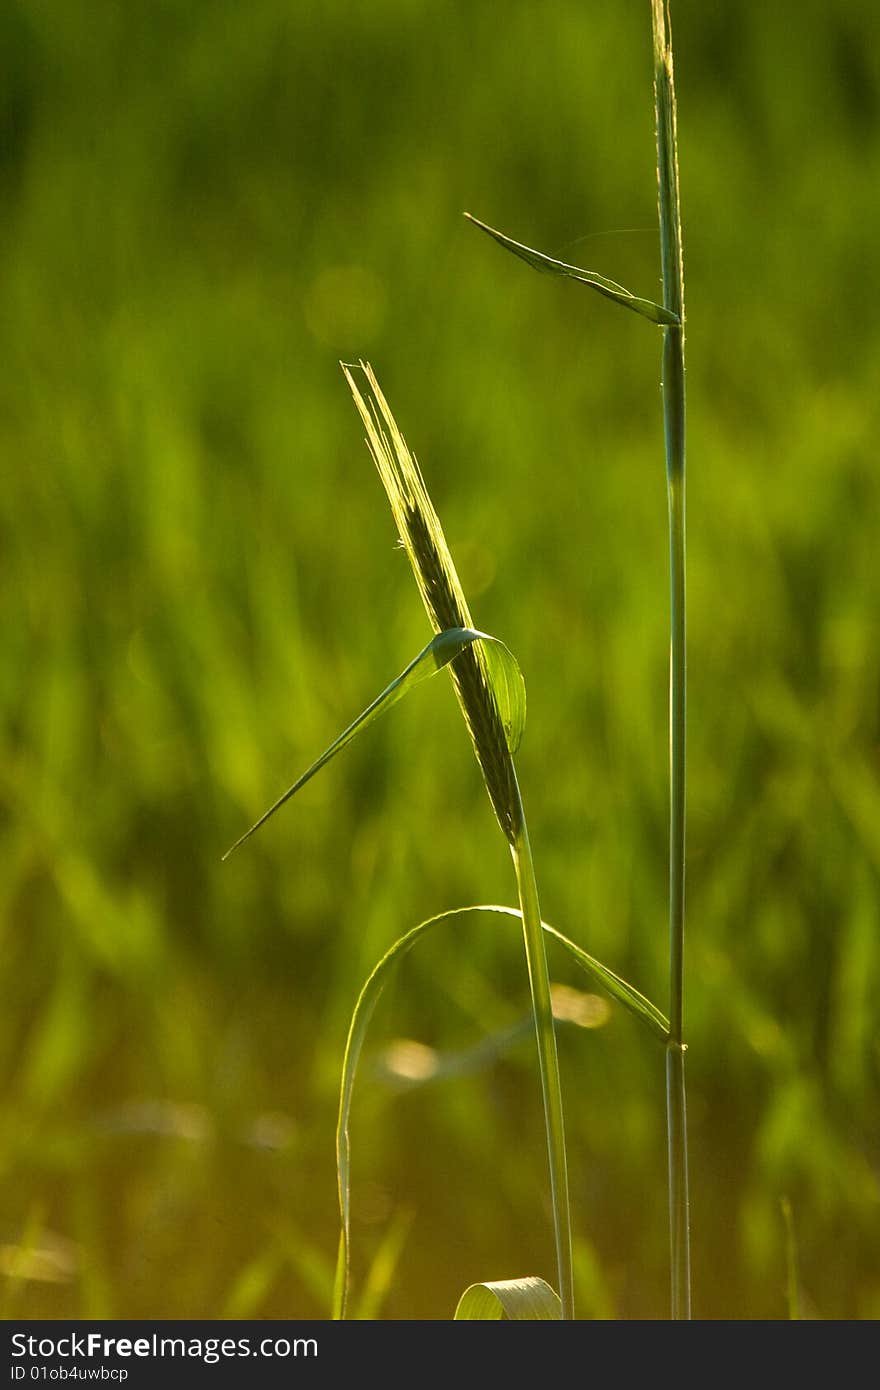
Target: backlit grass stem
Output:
[(425, 544), (674, 425), (548, 1059)]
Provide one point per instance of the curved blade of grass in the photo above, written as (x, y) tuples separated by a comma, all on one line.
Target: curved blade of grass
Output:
[(360, 1022), (619, 989), (507, 681), (529, 1299), (609, 288)]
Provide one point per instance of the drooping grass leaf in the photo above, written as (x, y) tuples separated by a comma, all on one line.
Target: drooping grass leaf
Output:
[(505, 676), (530, 1299), (360, 1021), (609, 288), (357, 1032), (619, 989)]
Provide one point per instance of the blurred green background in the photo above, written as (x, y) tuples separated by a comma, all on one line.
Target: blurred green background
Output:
[(203, 206)]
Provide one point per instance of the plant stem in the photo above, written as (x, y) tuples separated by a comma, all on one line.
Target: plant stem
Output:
[(674, 427), (548, 1060), (676, 1113)]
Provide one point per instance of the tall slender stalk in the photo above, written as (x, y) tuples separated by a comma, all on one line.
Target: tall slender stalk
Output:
[(423, 539), (674, 426), (548, 1059)]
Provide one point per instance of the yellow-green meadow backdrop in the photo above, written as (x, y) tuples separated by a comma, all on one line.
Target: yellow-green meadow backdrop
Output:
[(204, 205)]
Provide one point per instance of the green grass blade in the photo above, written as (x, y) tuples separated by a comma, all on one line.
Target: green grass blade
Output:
[(357, 1032), (674, 421), (625, 994), (529, 1299), (445, 647), (609, 288), (538, 969)]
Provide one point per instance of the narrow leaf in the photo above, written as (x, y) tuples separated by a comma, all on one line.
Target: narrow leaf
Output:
[(357, 1032), (505, 675), (529, 1299), (609, 288), (625, 994)]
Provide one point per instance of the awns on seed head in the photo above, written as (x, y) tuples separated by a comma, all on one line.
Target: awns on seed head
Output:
[(422, 537)]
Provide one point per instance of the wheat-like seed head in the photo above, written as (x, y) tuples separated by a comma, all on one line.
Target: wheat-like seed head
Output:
[(422, 537)]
